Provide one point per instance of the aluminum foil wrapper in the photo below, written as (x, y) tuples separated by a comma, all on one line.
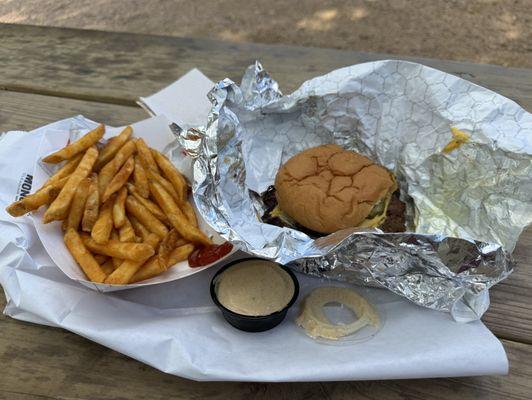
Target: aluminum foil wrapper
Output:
[(465, 208)]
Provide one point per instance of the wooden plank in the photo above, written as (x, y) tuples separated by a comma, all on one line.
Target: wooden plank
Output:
[(119, 67), (42, 362), (510, 313), (22, 111), (517, 385)]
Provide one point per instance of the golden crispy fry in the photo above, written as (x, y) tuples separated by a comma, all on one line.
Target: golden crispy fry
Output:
[(140, 229), (116, 261), (150, 205), (152, 268), (119, 208), (119, 179), (122, 250), (128, 268), (178, 254), (110, 169), (176, 216), (141, 179), (43, 196), (167, 245), (173, 175), (60, 183), (78, 205), (101, 231), (77, 147), (65, 170), (127, 233), (189, 212), (107, 267), (170, 240), (112, 147), (92, 205), (153, 176), (100, 259), (181, 242), (33, 201), (58, 210), (83, 257), (135, 208), (145, 156)]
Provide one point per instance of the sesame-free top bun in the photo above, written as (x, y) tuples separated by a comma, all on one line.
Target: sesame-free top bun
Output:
[(327, 188)]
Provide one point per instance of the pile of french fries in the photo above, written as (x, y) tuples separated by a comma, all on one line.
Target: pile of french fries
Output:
[(124, 208)]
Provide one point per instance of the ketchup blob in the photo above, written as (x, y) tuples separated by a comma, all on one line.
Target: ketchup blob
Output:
[(208, 254)]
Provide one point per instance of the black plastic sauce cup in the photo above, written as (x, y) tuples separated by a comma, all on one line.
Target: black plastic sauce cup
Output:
[(250, 323)]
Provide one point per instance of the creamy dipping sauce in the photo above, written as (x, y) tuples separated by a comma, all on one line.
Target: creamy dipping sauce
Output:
[(254, 288)]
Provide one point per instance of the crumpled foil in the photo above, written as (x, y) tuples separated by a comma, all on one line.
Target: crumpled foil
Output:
[(465, 209)]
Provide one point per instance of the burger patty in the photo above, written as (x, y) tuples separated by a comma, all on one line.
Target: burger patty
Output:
[(394, 221), (395, 215)]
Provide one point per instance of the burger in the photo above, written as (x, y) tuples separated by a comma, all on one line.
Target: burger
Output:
[(327, 188)]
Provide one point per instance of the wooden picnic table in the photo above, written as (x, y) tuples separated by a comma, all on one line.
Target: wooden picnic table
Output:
[(51, 73)]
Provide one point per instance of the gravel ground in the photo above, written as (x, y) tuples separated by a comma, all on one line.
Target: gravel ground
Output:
[(485, 31)]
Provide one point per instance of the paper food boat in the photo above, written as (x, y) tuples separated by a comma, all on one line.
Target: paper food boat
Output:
[(157, 134)]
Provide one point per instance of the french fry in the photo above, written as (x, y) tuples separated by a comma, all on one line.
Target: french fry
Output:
[(176, 216), (114, 234), (173, 175), (117, 249), (141, 179), (100, 259), (189, 212), (110, 169), (65, 170), (167, 245), (107, 267), (181, 242), (112, 147), (145, 156), (83, 257), (150, 205), (135, 208), (127, 233), (92, 205), (119, 179), (58, 210), (140, 230), (122, 275), (101, 231), (119, 208), (33, 201), (153, 267), (178, 254), (44, 195), (75, 214), (154, 176), (77, 147), (60, 183), (115, 261)]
